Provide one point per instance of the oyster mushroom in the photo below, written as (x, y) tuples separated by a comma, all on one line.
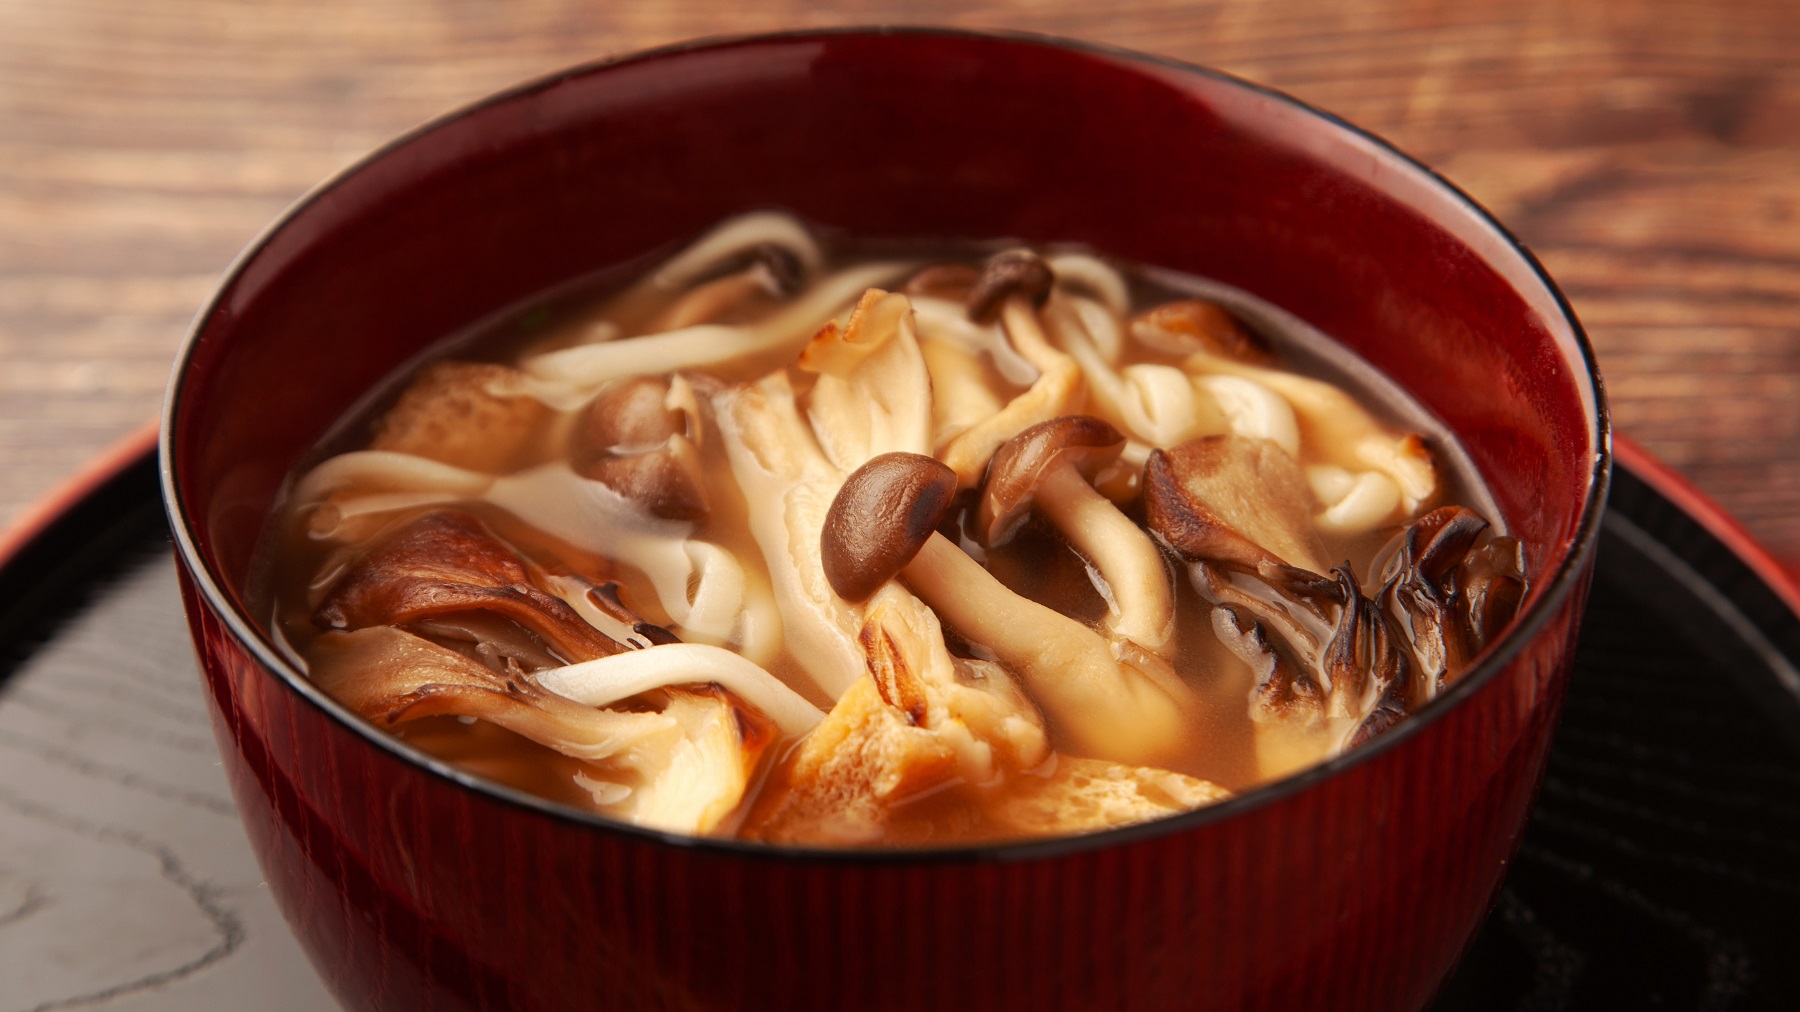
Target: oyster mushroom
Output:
[(1051, 468), (1127, 708), (1010, 288), (638, 437)]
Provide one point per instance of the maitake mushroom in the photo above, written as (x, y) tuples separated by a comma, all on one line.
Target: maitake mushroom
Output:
[(1332, 666), (441, 619)]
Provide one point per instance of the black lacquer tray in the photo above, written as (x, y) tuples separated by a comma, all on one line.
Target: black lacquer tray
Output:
[(1661, 868)]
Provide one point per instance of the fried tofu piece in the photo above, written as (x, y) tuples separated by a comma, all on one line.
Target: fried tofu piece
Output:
[(1087, 795), (863, 759)]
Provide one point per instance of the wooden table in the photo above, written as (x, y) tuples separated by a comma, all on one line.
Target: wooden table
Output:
[(1648, 151)]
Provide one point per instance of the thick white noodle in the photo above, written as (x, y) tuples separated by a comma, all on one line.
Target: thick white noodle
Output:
[(734, 237), (608, 680), (699, 584), (1094, 275), (569, 377)]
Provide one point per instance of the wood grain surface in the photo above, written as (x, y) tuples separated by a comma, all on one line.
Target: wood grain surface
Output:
[(1648, 151)]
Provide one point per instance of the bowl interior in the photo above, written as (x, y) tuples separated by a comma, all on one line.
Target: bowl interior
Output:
[(912, 134)]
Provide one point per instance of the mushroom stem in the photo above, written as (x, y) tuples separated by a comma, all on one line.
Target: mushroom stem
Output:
[(1055, 392), (1109, 708), (1137, 582)]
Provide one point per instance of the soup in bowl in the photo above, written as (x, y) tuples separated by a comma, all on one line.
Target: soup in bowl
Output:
[(1078, 780)]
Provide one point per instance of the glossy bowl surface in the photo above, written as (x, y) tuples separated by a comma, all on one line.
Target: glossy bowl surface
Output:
[(1354, 885)]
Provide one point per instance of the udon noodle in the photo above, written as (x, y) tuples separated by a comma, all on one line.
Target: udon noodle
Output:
[(827, 549)]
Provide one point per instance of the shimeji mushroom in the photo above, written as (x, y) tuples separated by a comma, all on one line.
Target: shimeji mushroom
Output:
[(872, 394), (1050, 468), (905, 715), (1128, 707), (1011, 287)]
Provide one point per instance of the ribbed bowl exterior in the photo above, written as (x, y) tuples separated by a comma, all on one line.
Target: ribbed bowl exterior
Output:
[(1353, 886), (411, 892)]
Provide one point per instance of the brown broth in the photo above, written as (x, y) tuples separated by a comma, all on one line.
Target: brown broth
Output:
[(296, 571)]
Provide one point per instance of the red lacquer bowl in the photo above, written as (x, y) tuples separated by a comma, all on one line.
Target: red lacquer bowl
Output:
[(1354, 885)]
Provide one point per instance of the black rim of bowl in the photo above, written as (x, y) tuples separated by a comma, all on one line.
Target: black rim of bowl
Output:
[(1569, 574)]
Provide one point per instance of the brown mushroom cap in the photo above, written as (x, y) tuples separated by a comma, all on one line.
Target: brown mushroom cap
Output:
[(1080, 441), (1017, 272), (880, 518)]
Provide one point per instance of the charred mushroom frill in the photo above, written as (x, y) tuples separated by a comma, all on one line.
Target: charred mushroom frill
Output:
[(1324, 655), (882, 523), (440, 618), (1452, 588)]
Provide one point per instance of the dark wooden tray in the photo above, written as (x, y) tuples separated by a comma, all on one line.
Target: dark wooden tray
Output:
[(1661, 868)]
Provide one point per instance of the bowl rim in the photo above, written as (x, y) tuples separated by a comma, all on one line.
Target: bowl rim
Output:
[(1570, 575)]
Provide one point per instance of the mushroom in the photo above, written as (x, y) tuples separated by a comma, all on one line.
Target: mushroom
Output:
[(683, 767), (873, 393), (769, 271), (1188, 326), (448, 564), (1232, 500), (1051, 468), (888, 636), (1449, 592), (770, 238), (1127, 707), (1011, 286), (787, 485), (701, 586), (1330, 669), (637, 437), (448, 414), (1336, 429)]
